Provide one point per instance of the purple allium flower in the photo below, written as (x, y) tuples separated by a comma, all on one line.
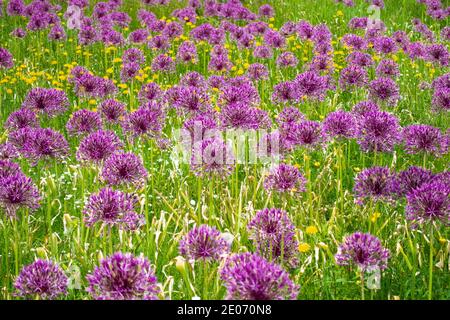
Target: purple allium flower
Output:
[(123, 277), (245, 93), (402, 39), (262, 52), (322, 34), (19, 33), (124, 169), (287, 59), (98, 146), (266, 11), (148, 120), (429, 202), (133, 55), (200, 127), (6, 59), (129, 71), (248, 276), (306, 133), (424, 138), (8, 151), (240, 115), (43, 144), (83, 121), (47, 101), (441, 99), (360, 58), (57, 33), (19, 138), (88, 85), (219, 63), (305, 30), (16, 191), (358, 23), (363, 107), (257, 71), (172, 30), (203, 243), (163, 63), (43, 279), (185, 15), (187, 52), (150, 92), (285, 178), (138, 36), (212, 156), (16, 8), (438, 53), (311, 85), (159, 42), (376, 183), (387, 68), (20, 119), (112, 110), (417, 50), (340, 124), (445, 33), (363, 250), (8, 168), (355, 42), (290, 115), (321, 63), (193, 79), (411, 179), (274, 39), (285, 92), (111, 208), (273, 234), (190, 100), (423, 29), (378, 131), (353, 77), (87, 35), (385, 90)]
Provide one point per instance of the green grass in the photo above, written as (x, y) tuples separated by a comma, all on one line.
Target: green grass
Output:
[(174, 199)]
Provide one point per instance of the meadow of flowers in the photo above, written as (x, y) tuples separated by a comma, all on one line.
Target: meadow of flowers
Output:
[(213, 149)]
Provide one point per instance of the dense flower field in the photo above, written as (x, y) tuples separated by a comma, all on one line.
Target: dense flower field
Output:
[(212, 149)]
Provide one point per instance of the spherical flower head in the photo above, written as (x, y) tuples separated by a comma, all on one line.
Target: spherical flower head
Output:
[(262, 52), (98, 146), (257, 71), (150, 92), (285, 178), (124, 169), (360, 58), (378, 131), (384, 90), (306, 134), (353, 77), (138, 36), (113, 208), (203, 243), (266, 11), (83, 121), (340, 124), (287, 59), (8, 168), (411, 179), (248, 276), (47, 101), (385, 45), (245, 93), (241, 116), (148, 120), (45, 144), (273, 234), (285, 92), (123, 277), (187, 52), (16, 191), (376, 183), (274, 39), (20, 119), (193, 79), (290, 115), (429, 202), (423, 138), (112, 111), (363, 250), (212, 156), (133, 55), (387, 68), (438, 53), (441, 99), (129, 71), (312, 85), (363, 107), (163, 63), (6, 59), (8, 151), (43, 279)]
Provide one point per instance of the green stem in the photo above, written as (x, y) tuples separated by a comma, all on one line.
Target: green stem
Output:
[(430, 278)]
